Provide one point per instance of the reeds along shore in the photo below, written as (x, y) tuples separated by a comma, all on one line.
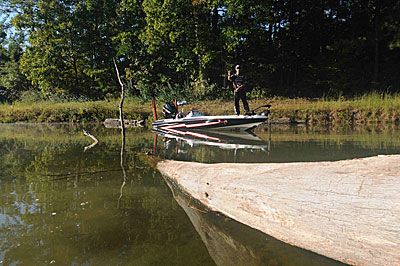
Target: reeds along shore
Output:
[(370, 108)]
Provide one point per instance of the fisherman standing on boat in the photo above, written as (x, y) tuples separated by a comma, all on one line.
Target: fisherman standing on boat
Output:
[(238, 82)]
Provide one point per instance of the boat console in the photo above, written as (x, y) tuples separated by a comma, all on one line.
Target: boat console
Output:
[(194, 113)]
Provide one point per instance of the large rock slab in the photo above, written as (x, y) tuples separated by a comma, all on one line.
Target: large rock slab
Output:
[(346, 210), (231, 243)]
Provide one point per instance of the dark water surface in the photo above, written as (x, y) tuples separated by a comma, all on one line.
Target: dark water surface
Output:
[(63, 205)]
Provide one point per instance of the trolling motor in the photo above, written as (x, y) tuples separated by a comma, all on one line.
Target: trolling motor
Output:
[(264, 113)]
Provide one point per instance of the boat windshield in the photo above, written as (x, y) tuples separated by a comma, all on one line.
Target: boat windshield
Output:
[(194, 113)]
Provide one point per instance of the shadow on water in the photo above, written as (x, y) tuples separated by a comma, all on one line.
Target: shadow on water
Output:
[(108, 205)]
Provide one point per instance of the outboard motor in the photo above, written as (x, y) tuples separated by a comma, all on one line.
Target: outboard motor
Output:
[(169, 110)]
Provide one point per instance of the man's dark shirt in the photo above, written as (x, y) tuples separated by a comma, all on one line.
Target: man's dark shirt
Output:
[(238, 80)]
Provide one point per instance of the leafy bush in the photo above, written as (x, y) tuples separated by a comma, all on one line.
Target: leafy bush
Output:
[(32, 96)]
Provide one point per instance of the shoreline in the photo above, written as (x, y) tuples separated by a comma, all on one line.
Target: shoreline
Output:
[(283, 111)]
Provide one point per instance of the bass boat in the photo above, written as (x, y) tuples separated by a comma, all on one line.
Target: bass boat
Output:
[(178, 122)]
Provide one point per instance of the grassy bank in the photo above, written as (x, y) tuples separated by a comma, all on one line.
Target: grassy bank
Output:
[(73, 112), (371, 108)]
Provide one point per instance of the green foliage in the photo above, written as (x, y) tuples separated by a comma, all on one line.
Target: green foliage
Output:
[(13, 81), (54, 97), (287, 48), (70, 46)]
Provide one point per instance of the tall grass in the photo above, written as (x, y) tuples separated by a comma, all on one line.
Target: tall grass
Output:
[(372, 101), (374, 106), (378, 101), (90, 111)]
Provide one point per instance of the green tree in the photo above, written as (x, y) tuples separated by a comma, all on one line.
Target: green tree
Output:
[(12, 81), (179, 44), (2, 60), (291, 48), (70, 46)]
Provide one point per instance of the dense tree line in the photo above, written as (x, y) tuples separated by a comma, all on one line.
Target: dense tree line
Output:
[(292, 48)]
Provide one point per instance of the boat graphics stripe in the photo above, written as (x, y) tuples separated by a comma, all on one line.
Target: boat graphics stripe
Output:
[(198, 135), (206, 124), (169, 127)]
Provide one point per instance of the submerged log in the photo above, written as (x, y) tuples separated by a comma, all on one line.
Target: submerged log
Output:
[(346, 210), (116, 123)]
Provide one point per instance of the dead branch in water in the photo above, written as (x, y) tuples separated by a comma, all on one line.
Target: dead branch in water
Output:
[(92, 137), (66, 176), (121, 118)]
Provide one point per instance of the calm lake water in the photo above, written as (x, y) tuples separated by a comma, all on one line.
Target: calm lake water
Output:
[(62, 204)]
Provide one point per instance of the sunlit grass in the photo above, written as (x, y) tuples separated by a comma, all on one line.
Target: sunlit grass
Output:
[(371, 101), (378, 101), (373, 106), (69, 111)]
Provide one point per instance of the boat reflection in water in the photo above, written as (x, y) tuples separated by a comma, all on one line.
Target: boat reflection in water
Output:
[(231, 243), (212, 146)]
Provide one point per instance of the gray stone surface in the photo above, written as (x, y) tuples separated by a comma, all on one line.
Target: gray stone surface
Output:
[(346, 210)]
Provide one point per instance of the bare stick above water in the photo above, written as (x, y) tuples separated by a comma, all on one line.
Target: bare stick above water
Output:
[(121, 103)]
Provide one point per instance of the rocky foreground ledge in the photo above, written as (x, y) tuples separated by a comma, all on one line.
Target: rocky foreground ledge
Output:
[(346, 210)]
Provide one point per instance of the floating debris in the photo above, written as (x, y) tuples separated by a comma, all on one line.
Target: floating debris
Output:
[(115, 123)]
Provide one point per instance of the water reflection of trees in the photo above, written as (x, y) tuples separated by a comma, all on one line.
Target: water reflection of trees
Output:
[(75, 219), (369, 137), (50, 210), (290, 144)]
